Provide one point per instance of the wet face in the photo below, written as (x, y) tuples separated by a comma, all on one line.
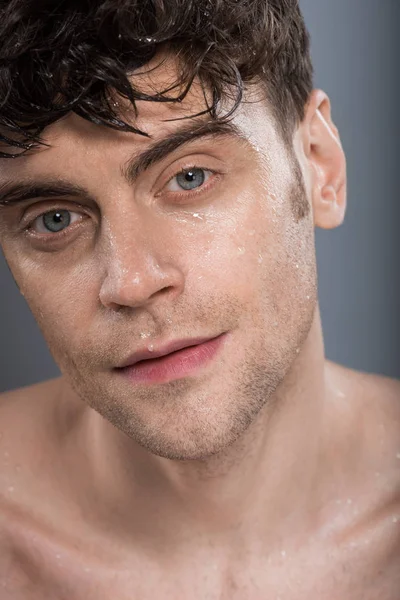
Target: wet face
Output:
[(214, 237)]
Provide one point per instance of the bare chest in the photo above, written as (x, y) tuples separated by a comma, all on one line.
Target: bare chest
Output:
[(353, 573)]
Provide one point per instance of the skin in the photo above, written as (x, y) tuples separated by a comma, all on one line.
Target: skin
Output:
[(255, 475)]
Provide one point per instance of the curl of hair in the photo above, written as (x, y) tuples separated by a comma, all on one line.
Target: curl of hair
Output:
[(58, 56)]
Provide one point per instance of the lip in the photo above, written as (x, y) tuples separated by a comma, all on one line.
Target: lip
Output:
[(146, 354), (173, 361)]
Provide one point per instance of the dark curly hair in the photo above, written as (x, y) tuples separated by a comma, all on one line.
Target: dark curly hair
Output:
[(58, 56)]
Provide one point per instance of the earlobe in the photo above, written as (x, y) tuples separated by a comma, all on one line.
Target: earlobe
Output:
[(327, 162)]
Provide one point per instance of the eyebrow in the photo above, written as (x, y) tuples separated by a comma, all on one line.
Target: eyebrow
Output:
[(15, 193), (12, 193), (186, 134)]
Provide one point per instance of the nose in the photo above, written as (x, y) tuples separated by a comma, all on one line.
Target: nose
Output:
[(140, 271)]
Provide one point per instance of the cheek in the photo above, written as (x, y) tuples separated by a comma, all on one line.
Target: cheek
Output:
[(289, 284), (224, 255), (225, 264), (255, 248), (58, 298), (267, 259)]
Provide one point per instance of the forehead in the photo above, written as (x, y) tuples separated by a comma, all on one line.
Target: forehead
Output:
[(73, 136)]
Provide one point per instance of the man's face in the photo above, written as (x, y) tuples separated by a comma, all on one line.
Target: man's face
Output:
[(139, 264)]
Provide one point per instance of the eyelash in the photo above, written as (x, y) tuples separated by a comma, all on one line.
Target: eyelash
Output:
[(195, 192), (200, 190)]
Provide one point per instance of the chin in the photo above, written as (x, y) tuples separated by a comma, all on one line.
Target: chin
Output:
[(186, 451), (188, 442)]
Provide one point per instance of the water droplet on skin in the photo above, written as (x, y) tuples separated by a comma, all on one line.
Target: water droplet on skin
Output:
[(260, 259), (136, 280), (200, 277), (297, 350), (297, 266), (276, 324), (349, 501), (308, 297), (197, 216), (241, 250), (150, 348), (143, 335)]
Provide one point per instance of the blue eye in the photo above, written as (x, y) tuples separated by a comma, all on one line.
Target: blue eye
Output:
[(190, 179), (53, 221), (56, 220)]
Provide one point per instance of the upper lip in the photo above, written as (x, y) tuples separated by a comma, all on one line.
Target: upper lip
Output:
[(162, 351)]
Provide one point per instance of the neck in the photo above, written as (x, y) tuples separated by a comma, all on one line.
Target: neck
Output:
[(268, 480)]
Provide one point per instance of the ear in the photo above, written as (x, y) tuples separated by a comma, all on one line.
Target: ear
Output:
[(322, 148)]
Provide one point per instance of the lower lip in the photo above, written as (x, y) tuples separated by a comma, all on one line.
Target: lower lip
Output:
[(175, 365)]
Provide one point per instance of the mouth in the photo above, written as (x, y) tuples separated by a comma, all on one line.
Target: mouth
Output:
[(175, 364)]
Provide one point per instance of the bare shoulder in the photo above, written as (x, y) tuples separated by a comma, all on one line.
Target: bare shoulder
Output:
[(26, 449), (23, 411), (377, 392), (365, 417), (26, 417), (372, 404), (28, 393), (367, 413)]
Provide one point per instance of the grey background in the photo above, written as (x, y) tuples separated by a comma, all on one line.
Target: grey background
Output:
[(355, 49)]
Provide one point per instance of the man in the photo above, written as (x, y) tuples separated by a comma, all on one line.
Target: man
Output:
[(163, 168)]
